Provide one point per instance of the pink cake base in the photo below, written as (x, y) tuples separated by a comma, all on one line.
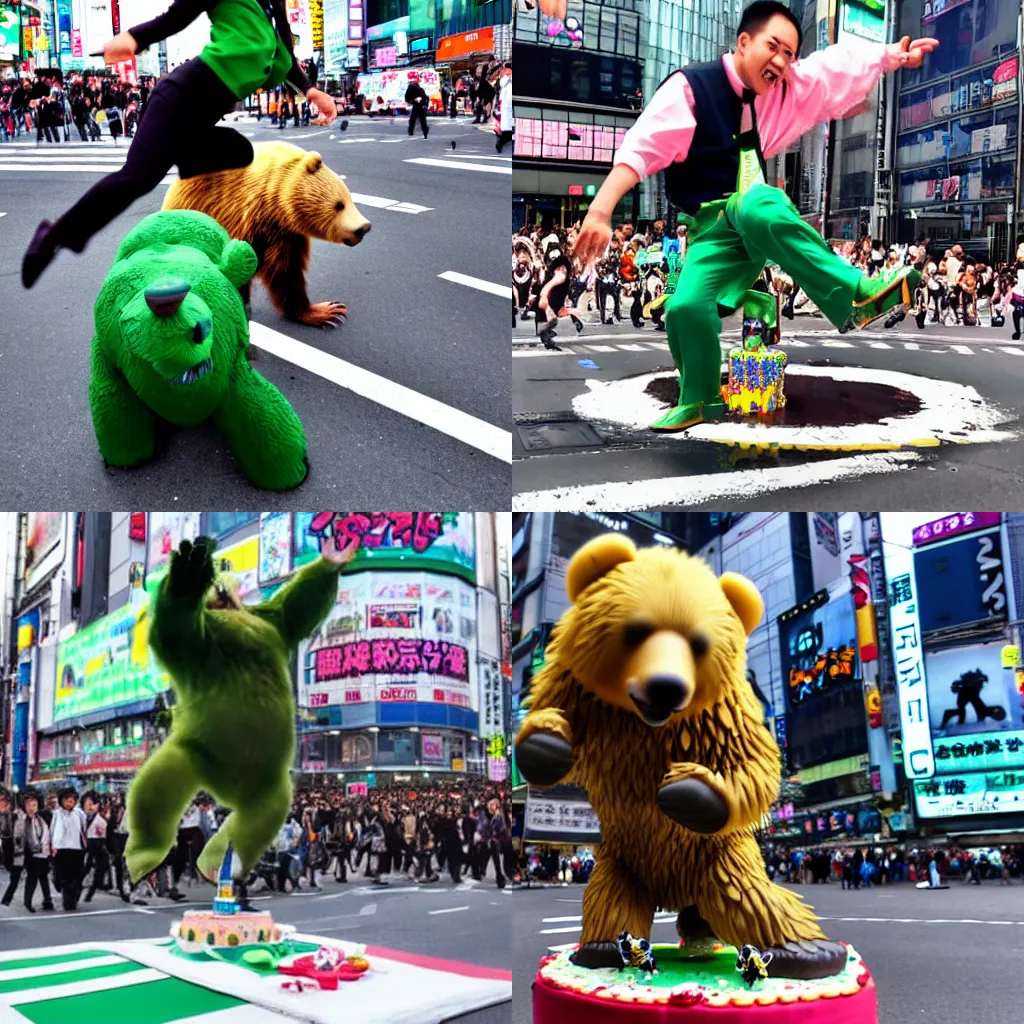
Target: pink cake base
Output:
[(555, 1002)]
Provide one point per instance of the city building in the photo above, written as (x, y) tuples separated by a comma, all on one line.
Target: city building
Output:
[(405, 678), (957, 126), (575, 98)]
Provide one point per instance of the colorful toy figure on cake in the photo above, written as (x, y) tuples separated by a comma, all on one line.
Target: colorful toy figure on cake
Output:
[(753, 964), (225, 902)]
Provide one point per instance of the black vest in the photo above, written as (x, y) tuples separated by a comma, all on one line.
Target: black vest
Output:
[(712, 166)]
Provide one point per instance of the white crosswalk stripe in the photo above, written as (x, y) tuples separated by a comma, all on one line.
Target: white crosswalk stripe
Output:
[(104, 158), (570, 348), (462, 165)]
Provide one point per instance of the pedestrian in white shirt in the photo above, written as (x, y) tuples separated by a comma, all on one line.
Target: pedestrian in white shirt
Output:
[(67, 839), (97, 859)]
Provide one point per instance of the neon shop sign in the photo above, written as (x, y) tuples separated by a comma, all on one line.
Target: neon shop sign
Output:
[(392, 656), (415, 531)]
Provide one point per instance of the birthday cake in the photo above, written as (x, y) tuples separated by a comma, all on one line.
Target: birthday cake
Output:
[(208, 928), (689, 989)]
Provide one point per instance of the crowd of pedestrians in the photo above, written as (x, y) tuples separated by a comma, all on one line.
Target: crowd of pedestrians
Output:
[(638, 270), (72, 844), (859, 867), (58, 109)]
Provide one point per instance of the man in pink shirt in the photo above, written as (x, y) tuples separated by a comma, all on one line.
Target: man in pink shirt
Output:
[(709, 127)]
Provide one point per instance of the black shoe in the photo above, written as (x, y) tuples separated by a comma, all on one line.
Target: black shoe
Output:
[(48, 905), (39, 254), (140, 902), (88, 898), (5, 903), (31, 910), (1015, 335)]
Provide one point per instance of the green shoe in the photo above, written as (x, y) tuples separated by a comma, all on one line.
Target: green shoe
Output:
[(888, 296), (689, 415)]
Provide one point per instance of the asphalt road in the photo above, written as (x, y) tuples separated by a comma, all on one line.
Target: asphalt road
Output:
[(443, 338), (939, 957), (563, 459), (467, 923)]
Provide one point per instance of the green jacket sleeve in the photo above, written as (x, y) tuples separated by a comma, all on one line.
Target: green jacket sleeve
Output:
[(299, 607)]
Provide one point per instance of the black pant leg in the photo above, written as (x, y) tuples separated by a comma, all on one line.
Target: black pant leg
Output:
[(13, 884), (186, 106)]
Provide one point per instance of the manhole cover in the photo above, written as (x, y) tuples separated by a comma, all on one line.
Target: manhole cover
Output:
[(820, 401), (560, 434)]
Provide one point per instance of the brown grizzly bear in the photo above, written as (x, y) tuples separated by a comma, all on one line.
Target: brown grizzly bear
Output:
[(284, 197), (643, 701)]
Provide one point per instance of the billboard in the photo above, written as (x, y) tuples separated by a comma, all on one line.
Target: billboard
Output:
[(969, 691), (45, 533), (440, 541), (560, 815), (954, 524), (275, 546), (970, 793), (10, 33), (106, 664), (335, 36), (907, 650), (392, 637), (825, 713), (961, 581)]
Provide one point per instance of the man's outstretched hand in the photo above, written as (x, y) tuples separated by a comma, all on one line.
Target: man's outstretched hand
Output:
[(593, 239), (912, 54)]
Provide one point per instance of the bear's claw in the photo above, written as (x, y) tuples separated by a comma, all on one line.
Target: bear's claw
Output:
[(543, 759), (816, 958), (694, 805), (597, 954)]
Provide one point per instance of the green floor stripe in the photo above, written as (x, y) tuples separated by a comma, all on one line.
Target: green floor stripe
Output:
[(45, 961), (155, 1002), (68, 977)]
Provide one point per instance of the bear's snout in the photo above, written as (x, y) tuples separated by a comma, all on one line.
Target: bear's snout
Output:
[(357, 234), (660, 697)]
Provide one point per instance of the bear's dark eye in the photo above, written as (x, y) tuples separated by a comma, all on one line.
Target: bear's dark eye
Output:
[(339, 206), (699, 644), (635, 633)]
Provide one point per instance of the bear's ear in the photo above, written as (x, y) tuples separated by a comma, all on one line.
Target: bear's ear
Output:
[(313, 162), (238, 262), (745, 599), (596, 558)]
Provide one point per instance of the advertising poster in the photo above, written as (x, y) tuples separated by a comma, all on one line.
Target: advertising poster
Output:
[(106, 664), (970, 692), (442, 541), (275, 546), (400, 616), (166, 532), (433, 748), (819, 648), (10, 33), (242, 562), (391, 85), (45, 531), (1004, 80), (560, 815)]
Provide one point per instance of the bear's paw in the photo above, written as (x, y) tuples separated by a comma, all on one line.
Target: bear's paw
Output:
[(695, 800)]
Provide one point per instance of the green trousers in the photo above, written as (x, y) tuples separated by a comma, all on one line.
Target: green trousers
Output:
[(730, 243)]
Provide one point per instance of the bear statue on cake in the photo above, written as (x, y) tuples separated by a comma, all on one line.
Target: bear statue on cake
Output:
[(643, 700)]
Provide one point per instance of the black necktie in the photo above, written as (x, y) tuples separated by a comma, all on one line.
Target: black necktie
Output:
[(748, 137)]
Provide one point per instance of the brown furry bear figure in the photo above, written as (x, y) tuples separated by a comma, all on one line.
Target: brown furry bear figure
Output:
[(276, 204), (643, 700)]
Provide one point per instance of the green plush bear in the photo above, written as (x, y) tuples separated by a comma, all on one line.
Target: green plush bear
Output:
[(171, 343), (233, 730)]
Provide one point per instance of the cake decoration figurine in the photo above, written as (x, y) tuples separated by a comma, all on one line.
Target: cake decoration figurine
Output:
[(225, 902), (643, 701), (753, 964)]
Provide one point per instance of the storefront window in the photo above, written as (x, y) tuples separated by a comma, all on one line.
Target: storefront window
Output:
[(395, 747), (568, 135)]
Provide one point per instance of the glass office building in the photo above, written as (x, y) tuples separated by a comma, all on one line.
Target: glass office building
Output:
[(574, 101), (680, 33), (956, 145)]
